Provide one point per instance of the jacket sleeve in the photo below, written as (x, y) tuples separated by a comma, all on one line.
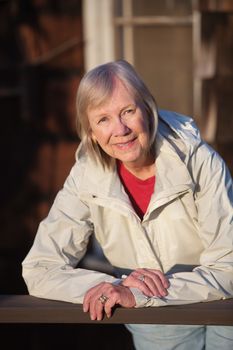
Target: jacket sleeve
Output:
[(50, 268), (213, 279)]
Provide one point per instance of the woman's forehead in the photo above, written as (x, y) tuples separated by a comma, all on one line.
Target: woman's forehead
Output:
[(120, 97), (117, 91)]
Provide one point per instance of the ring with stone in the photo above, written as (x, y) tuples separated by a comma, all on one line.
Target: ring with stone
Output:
[(141, 278), (103, 298)]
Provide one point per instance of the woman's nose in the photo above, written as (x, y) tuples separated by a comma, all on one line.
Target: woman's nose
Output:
[(120, 127)]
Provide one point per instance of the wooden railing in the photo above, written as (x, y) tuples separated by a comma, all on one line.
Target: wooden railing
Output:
[(26, 309)]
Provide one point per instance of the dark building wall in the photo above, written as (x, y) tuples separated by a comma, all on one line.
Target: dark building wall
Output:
[(213, 74), (41, 62)]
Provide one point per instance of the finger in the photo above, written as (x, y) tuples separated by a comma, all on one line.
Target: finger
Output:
[(89, 295), (96, 305), (95, 309), (86, 302), (152, 281), (110, 303), (155, 286), (155, 279), (99, 309), (162, 277), (119, 296), (133, 282), (148, 287)]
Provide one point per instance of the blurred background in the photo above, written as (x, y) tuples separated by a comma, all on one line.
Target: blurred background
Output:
[(183, 49)]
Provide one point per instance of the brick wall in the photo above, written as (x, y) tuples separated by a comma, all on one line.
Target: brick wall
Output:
[(41, 63)]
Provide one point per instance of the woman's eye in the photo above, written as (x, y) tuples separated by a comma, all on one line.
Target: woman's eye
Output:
[(129, 111), (102, 120)]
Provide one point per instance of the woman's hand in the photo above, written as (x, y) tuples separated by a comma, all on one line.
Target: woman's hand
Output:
[(103, 297), (150, 282)]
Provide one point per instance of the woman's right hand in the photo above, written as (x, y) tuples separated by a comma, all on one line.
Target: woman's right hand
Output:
[(150, 282), (103, 297)]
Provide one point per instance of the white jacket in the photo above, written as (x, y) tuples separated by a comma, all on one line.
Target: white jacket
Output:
[(187, 231)]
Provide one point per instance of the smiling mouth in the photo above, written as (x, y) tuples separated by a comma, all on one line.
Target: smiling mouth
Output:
[(125, 145)]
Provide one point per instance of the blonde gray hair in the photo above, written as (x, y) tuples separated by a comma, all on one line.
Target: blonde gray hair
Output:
[(94, 90)]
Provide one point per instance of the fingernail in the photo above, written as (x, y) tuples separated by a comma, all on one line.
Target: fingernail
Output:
[(164, 293), (84, 309)]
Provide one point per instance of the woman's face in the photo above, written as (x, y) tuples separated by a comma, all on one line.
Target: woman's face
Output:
[(120, 127)]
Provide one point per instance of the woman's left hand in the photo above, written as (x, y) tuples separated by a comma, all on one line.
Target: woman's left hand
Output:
[(150, 282), (103, 297)]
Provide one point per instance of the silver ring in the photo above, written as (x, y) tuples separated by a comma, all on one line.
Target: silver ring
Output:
[(141, 278), (103, 299)]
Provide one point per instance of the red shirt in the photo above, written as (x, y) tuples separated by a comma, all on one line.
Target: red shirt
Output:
[(139, 191)]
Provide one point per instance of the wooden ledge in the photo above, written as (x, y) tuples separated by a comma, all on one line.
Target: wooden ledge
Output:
[(28, 309)]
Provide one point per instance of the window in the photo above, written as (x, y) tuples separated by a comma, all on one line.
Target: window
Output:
[(154, 35)]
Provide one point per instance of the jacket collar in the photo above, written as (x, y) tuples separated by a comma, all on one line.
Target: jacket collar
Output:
[(97, 182), (172, 175), (172, 179)]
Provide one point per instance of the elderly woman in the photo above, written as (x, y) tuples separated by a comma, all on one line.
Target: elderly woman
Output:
[(159, 202)]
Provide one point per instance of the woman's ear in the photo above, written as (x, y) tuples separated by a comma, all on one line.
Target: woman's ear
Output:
[(93, 136)]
